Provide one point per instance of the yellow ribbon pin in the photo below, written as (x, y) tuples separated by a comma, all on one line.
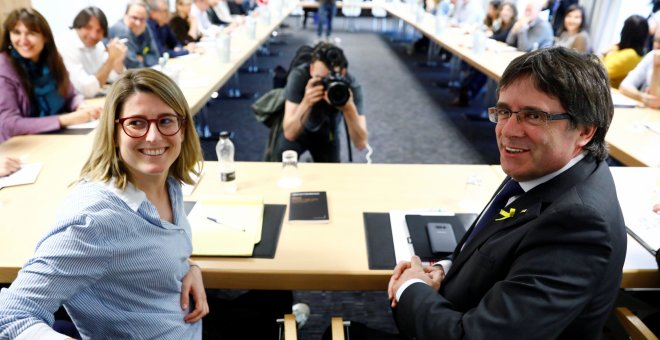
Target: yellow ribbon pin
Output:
[(506, 214)]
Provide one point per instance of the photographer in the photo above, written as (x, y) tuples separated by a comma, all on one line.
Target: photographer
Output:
[(316, 96)]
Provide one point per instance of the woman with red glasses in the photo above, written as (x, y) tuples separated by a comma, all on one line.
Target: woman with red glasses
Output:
[(118, 257)]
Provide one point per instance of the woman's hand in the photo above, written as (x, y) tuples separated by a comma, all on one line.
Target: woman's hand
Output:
[(192, 284)]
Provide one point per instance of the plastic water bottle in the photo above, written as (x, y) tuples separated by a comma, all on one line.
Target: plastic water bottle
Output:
[(225, 151), (479, 40)]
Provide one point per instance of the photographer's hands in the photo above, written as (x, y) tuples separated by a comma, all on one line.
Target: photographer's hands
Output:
[(314, 91)]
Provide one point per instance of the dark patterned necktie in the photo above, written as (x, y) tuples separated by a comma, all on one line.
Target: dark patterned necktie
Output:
[(510, 189)]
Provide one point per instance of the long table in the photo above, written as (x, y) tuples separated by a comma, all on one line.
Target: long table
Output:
[(329, 256)]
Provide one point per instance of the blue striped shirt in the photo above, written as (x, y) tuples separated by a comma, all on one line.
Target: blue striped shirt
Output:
[(113, 263)]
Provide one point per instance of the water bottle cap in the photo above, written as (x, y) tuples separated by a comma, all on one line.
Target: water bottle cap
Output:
[(224, 134)]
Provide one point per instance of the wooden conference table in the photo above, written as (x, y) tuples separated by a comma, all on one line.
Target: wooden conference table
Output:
[(329, 256)]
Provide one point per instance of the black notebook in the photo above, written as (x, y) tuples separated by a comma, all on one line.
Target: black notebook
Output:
[(308, 207)]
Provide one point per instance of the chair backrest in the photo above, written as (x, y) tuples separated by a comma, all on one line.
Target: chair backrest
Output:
[(634, 327), (337, 325), (351, 8)]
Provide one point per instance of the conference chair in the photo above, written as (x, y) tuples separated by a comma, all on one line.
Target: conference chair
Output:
[(378, 12), (288, 329), (351, 9), (633, 326)]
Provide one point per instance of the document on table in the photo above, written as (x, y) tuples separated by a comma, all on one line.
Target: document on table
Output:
[(226, 225), (89, 125), (620, 100), (645, 228), (27, 174)]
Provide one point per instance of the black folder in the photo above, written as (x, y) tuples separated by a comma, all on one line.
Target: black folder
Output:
[(378, 232)]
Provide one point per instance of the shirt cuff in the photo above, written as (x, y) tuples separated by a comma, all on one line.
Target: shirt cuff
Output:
[(405, 285), (40, 331), (445, 264)]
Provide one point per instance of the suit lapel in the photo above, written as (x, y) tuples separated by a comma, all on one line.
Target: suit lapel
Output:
[(528, 207)]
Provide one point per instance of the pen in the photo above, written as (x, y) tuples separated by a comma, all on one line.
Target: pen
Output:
[(215, 220), (123, 40)]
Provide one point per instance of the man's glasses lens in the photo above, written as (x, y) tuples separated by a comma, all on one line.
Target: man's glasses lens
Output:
[(531, 117), (136, 127)]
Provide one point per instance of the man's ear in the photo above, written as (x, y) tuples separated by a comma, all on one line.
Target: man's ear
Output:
[(586, 134)]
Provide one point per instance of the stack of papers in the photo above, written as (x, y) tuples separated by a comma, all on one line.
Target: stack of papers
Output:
[(226, 225)]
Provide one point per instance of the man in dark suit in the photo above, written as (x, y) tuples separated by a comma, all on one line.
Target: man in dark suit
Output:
[(549, 264)]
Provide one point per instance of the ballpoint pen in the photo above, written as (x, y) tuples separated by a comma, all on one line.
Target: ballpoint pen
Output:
[(215, 220)]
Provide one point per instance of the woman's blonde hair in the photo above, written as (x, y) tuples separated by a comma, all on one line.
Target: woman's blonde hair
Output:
[(104, 162)]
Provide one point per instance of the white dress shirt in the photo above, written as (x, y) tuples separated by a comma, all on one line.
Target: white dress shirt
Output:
[(83, 63)]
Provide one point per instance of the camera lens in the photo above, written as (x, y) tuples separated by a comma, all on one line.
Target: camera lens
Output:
[(338, 93)]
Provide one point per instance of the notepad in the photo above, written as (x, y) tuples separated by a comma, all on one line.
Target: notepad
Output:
[(27, 174), (226, 225)]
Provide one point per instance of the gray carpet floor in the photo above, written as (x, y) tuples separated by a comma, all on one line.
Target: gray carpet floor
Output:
[(409, 121)]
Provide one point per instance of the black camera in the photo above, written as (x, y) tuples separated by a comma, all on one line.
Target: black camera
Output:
[(337, 87)]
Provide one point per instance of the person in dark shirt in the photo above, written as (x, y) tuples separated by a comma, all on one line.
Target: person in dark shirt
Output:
[(166, 41)]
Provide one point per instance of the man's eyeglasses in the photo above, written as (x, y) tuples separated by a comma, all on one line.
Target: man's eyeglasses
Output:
[(137, 19), (531, 117), (137, 126)]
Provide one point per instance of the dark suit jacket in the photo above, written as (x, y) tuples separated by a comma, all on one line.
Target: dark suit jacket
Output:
[(551, 271)]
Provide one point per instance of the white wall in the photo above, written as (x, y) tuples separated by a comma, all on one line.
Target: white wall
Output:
[(60, 14)]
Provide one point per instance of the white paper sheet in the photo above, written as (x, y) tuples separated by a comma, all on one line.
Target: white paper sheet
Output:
[(89, 125), (27, 174)]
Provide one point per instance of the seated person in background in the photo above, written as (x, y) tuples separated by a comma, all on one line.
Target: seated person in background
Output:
[(572, 34), (183, 24), (221, 10), (492, 13), (311, 121), (35, 92), (142, 48), (90, 64), (466, 13), (9, 165), (506, 18), (118, 257), (199, 12), (557, 10), (215, 18), (531, 32), (159, 16), (643, 82), (621, 58), (238, 7), (549, 265)]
